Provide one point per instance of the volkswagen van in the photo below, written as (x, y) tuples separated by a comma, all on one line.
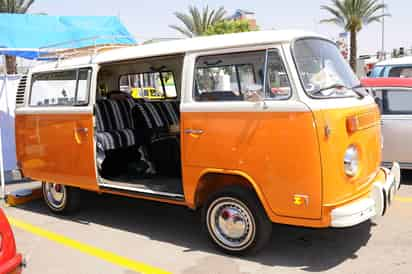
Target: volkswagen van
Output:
[(263, 127)]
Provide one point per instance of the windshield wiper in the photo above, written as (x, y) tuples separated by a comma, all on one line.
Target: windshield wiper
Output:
[(361, 94), (355, 89), (334, 86)]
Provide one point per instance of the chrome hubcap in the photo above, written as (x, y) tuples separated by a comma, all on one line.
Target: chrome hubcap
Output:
[(56, 194), (231, 223)]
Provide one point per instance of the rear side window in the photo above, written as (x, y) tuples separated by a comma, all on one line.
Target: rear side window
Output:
[(403, 72), (397, 101), (149, 85), (62, 88)]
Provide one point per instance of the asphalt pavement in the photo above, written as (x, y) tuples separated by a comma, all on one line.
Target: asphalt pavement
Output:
[(112, 234)]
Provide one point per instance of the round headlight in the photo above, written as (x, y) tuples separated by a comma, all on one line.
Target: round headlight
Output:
[(351, 161)]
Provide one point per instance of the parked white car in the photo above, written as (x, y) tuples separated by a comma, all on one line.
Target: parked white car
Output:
[(394, 97), (396, 67)]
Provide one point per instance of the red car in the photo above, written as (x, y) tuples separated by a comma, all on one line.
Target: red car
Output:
[(387, 82), (10, 260)]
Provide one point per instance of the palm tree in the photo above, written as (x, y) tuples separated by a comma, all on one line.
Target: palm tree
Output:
[(197, 22), (352, 15), (14, 6)]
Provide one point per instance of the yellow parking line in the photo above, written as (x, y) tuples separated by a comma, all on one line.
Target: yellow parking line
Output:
[(403, 199), (88, 249)]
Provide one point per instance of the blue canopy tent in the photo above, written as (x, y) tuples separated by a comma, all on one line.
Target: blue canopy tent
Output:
[(33, 37), (28, 36)]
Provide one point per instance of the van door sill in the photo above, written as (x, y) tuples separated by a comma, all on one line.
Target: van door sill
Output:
[(141, 190)]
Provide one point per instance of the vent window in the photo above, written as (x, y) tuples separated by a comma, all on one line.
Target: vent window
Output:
[(21, 89)]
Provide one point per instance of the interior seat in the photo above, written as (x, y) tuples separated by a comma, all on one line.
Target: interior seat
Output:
[(114, 124), (154, 119), (168, 112)]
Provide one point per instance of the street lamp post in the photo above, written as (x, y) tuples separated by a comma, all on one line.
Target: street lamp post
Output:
[(2, 175), (383, 31)]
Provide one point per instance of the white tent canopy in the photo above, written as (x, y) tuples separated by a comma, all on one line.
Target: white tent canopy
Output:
[(8, 89)]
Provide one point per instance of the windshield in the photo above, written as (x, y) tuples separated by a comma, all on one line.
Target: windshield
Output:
[(323, 70)]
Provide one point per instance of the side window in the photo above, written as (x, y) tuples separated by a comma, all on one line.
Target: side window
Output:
[(169, 84), (403, 72), (397, 102), (228, 77), (277, 78), (83, 86), (377, 72), (149, 85), (62, 88), (378, 96)]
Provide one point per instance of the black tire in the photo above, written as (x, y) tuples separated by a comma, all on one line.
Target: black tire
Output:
[(251, 205), (70, 202)]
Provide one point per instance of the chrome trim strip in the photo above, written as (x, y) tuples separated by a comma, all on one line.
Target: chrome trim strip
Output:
[(404, 165), (55, 110), (111, 184), (244, 106), (396, 117)]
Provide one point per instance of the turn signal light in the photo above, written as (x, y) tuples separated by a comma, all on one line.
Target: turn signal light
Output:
[(300, 200), (352, 124)]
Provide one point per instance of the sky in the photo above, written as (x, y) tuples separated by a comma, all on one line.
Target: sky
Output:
[(151, 19)]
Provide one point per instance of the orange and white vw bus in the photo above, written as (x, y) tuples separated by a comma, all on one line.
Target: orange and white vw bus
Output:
[(257, 128)]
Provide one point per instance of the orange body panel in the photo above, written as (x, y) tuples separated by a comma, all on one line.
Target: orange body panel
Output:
[(277, 151), (50, 148), (337, 187), (281, 154)]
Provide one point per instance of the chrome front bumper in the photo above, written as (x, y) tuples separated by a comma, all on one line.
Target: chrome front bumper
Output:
[(376, 204)]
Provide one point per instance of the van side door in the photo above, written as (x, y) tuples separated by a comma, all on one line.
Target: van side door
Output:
[(54, 129)]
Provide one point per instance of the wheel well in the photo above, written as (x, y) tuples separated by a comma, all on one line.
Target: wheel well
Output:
[(212, 182)]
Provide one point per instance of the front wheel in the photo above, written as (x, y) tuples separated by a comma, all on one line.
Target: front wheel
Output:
[(60, 199), (236, 222)]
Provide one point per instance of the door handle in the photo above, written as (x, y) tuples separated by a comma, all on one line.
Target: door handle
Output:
[(82, 130), (193, 131)]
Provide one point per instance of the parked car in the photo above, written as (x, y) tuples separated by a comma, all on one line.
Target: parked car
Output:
[(394, 97), (10, 260), (396, 67), (264, 127)]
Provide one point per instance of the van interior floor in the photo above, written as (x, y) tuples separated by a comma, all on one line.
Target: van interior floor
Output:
[(156, 185)]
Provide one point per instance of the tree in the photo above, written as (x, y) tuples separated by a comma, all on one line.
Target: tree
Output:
[(14, 6), (353, 15), (196, 22), (229, 26)]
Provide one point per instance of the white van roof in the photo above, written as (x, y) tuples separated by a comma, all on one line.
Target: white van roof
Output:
[(407, 60), (181, 46)]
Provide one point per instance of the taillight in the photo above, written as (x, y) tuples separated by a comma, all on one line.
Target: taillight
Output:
[(1, 241)]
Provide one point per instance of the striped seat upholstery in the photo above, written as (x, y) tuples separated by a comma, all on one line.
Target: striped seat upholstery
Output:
[(168, 112), (148, 116), (114, 124), (156, 115), (153, 119)]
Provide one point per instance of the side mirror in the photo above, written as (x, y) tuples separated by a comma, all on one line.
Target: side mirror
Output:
[(253, 95)]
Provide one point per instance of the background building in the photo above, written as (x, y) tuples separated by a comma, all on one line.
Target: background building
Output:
[(245, 15)]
